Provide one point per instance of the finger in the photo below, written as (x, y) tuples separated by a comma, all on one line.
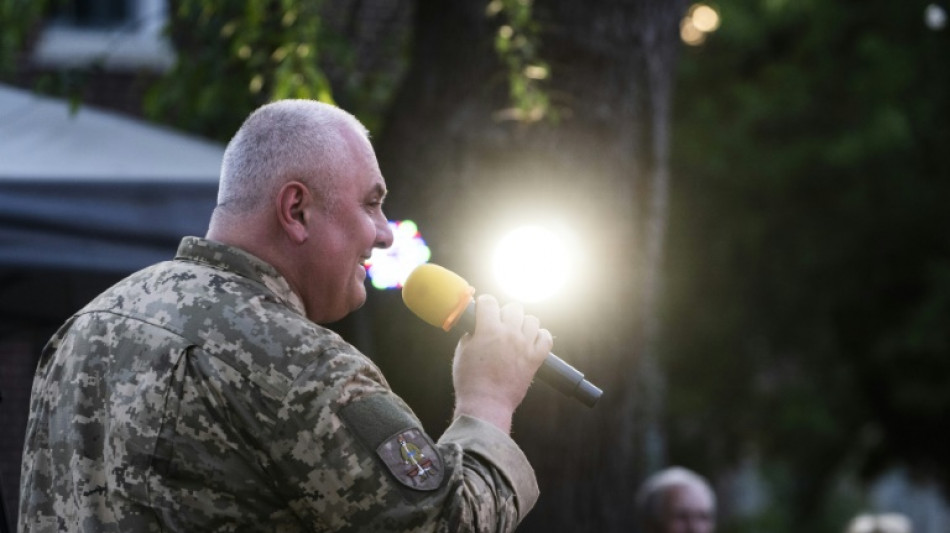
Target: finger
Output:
[(513, 314), (544, 341), (486, 310), (530, 327)]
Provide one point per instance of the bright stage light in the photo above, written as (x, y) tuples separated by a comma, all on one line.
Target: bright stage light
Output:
[(532, 263), (389, 268)]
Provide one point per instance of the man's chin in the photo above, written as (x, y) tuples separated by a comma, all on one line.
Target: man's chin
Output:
[(359, 300)]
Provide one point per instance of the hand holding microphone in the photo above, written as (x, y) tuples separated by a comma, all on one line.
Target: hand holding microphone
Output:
[(494, 364), (443, 299)]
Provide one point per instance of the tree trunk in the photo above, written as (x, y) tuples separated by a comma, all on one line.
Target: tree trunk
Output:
[(463, 176)]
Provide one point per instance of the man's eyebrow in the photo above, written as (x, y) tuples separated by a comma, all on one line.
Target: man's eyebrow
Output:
[(380, 190)]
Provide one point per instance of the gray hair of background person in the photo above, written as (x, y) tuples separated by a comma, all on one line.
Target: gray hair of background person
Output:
[(880, 523), (650, 496)]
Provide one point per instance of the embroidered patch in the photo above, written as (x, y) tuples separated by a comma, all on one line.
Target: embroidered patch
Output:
[(412, 459)]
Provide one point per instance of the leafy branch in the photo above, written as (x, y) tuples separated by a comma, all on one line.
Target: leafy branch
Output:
[(517, 42)]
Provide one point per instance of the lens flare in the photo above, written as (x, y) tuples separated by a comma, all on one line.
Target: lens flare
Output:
[(389, 268), (699, 22), (705, 18), (532, 263)]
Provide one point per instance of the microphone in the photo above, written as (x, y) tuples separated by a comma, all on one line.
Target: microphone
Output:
[(442, 298)]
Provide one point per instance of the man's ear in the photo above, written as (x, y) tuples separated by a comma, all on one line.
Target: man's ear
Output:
[(293, 210)]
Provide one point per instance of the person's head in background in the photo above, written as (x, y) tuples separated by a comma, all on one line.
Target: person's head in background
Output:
[(676, 500), (880, 523)]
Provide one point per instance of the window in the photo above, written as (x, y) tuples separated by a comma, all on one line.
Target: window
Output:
[(91, 13), (116, 34)]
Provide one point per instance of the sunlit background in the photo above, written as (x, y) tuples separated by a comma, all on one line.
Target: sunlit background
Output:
[(531, 263)]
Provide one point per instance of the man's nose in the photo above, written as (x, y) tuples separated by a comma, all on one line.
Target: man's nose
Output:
[(384, 233)]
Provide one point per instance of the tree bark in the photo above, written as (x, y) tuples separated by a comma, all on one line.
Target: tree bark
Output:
[(463, 175)]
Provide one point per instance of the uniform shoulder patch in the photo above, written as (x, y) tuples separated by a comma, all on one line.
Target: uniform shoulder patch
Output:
[(412, 459), (385, 424)]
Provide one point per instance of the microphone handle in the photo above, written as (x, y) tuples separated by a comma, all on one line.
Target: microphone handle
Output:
[(554, 371)]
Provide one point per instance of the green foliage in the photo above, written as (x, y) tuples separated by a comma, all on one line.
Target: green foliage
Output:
[(517, 43), (17, 19), (808, 261), (239, 54), (235, 55)]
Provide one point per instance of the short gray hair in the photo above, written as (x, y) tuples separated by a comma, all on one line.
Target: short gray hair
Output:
[(285, 140), (652, 492)]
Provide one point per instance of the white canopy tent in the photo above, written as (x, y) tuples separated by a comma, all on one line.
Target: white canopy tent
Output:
[(91, 193), (41, 139), (94, 190)]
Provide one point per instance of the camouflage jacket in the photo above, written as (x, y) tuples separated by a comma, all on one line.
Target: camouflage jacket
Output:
[(195, 396)]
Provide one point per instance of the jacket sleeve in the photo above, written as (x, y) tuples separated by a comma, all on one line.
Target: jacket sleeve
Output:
[(352, 456)]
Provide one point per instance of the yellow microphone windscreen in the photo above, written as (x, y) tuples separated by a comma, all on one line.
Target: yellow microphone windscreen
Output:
[(437, 295)]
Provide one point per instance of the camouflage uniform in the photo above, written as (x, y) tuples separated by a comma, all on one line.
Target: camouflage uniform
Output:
[(195, 396)]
